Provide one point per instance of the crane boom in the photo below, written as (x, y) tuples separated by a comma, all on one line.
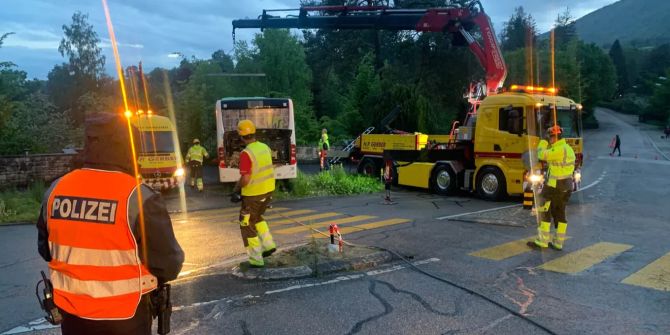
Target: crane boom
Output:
[(453, 20)]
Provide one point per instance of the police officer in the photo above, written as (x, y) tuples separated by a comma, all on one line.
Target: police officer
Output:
[(103, 258), (257, 182), (194, 158), (324, 146), (560, 159)]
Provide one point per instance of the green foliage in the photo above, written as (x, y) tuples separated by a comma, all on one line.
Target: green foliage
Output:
[(519, 31), (659, 107), (85, 67), (619, 61), (333, 182), (21, 205)]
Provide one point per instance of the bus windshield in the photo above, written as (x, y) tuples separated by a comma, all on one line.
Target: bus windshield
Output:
[(157, 141), (263, 118)]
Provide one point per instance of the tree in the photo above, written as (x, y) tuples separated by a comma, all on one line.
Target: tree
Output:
[(80, 45), (84, 69), (519, 31), (565, 29), (659, 109), (223, 60), (619, 60)]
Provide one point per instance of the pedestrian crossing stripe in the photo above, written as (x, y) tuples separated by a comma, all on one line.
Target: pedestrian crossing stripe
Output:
[(366, 226), (324, 224), (584, 258), (656, 275), (505, 250), (304, 218), (289, 213), (220, 213)]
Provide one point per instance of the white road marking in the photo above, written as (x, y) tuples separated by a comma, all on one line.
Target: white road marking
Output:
[(351, 277), (476, 212), (35, 325), (657, 149), (635, 160), (596, 182)]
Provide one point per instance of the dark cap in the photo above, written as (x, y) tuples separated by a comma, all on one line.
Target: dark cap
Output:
[(107, 143)]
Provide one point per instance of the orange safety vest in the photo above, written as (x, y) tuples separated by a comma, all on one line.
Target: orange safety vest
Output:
[(96, 270)]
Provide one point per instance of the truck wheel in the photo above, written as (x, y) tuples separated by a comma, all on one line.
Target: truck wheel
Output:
[(443, 180), (368, 167), (491, 184)]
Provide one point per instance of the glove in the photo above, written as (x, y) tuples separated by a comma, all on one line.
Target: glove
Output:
[(235, 197)]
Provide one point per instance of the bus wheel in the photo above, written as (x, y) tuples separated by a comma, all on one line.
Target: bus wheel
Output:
[(491, 184), (443, 180), (368, 167)]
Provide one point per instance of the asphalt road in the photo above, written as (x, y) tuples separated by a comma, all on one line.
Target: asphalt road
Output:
[(612, 278)]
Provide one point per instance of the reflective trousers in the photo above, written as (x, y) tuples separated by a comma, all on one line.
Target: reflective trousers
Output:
[(196, 174), (552, 208), (323, 159), (256, 234)]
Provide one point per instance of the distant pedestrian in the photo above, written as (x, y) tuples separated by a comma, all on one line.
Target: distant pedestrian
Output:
[(616, 144), (667, 131), (324, 146)]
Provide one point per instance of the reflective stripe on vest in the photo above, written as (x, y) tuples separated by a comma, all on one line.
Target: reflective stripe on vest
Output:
[(95, 268), (561, 167), (262, 171), (196, 153)]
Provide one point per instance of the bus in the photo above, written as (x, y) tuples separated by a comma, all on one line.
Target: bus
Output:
[(157, 159), (275, 126)]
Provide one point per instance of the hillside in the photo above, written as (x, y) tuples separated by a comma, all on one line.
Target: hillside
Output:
[(642, 22)]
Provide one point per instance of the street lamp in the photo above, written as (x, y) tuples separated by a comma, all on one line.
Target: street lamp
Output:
[(176, 54)]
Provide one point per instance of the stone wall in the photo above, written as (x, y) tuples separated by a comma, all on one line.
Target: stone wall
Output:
[(24, 170)]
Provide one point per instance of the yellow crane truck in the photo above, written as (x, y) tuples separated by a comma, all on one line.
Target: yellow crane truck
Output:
[(486, 155)]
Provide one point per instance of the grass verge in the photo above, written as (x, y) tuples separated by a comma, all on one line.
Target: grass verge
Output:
[(333, 182), (21, 205)]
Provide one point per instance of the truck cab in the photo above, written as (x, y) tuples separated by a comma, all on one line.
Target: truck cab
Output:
[(508, 126)]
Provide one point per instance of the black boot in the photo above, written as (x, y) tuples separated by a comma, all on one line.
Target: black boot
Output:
[(268, 253)]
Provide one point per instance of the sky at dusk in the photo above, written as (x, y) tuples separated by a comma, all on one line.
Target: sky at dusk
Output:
[(149, 30)]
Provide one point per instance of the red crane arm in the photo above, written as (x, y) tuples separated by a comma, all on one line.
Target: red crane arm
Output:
[(453, 20)]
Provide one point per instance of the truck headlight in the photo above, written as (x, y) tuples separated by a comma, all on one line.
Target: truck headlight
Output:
[(179, 172), (535, 178)]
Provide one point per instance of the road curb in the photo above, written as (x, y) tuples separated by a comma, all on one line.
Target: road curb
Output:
[(322, 268), (22, 223)]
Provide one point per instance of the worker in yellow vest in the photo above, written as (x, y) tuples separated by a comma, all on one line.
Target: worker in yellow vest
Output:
[(560, 159), (324, 146), (256, 184), (108, 240), (195, 157)]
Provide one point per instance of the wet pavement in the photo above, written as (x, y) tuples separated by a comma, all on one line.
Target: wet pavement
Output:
[(612, 277)]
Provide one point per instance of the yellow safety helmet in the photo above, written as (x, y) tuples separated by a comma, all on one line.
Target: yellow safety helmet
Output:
[(196, 141), (246, 127)]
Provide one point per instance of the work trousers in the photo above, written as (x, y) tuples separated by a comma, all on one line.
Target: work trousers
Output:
[(323, 159), (139, 324), (558, 197), (196, 174), (256, 234)]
